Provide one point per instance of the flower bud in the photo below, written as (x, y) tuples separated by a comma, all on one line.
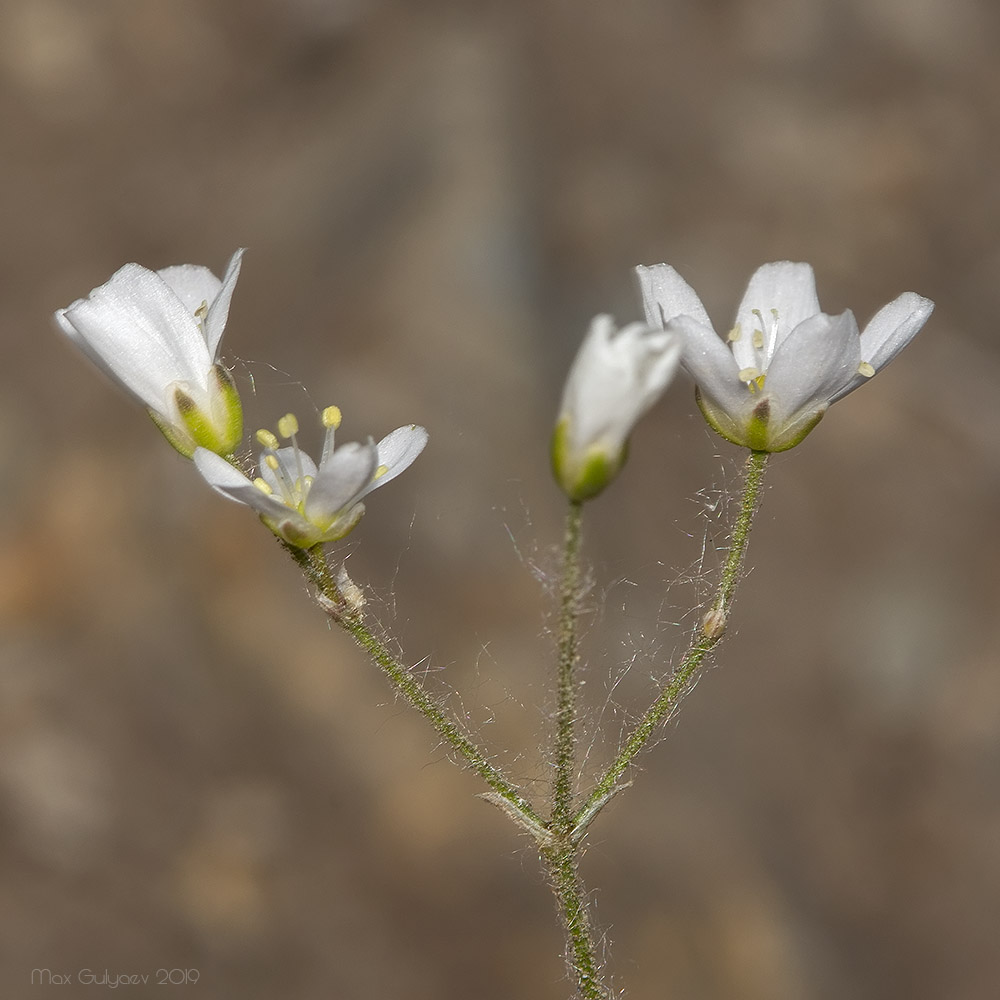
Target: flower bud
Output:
[(616, 377)]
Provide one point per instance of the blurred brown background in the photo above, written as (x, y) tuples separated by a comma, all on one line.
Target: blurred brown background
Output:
[(196, 773)]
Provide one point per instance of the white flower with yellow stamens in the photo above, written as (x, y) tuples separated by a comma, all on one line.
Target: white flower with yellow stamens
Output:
[(305, 504), (157, 334), (784, 361)]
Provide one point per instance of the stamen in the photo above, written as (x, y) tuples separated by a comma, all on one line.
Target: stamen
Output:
[(331, 421), (749, 374), (380, 471), (288, 426), (286, 486), (866, 369), (758, 339), (267, 439), (735, 334), (263, 486)]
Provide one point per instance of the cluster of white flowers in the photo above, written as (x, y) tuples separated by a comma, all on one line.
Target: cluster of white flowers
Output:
[(762, 386), (157, 334)]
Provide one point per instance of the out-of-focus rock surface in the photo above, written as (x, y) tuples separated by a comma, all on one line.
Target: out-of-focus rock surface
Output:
[(196, 773)]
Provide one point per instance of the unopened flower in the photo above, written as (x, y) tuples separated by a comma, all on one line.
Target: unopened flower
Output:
[(770, 380), (305, 504), (157, 334), (616, 377)]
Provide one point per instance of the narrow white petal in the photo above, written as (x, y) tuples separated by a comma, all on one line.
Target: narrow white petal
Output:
[(893, 327), (889, 331), (711, 365), (193, 284), (665, 294), (341, 481), (782, 286), (231, 483), (397, 451), (218, 311), (291, 461), (144, 335), (818, 358)]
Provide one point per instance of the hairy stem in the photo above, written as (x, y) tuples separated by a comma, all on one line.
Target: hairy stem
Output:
[(561, 853), (569, 596), (404, 682), (561, 860), (710, 632)]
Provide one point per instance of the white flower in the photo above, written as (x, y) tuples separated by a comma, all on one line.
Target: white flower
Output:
[(157, 334), (769, 382), (616, 377), (305, 505)]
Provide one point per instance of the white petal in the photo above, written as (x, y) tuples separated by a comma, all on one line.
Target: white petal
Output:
[(815, 361), (711, 365), (231, 483), (193, 284), (397, 451), (341, 482), (783, 286), (142, 333), (893, 327), (889, 331), (665, 294), (616, 377), (295, 463), (218, 311)]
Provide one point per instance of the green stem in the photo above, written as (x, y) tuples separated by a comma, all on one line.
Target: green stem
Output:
[(562, 792), (562, 865), (351, 619), (561, 853), (711, 631)]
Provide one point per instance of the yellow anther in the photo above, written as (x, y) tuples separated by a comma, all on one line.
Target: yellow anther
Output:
[(758, 339), (734, 334), (202, 311), (263, 486), (381, 471), (288, 425), (266, 438), (331, 417), (271, 461), (866, 369), (748, 374)]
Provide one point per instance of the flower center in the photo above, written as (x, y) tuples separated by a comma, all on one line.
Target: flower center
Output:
[(288, 470), (763, 340)]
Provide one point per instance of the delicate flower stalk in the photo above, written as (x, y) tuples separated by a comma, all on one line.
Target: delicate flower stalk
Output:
[(304, 504), (768, 383), (344, 602), (616, 377), (565, 764), (157, 334), (710, 631)]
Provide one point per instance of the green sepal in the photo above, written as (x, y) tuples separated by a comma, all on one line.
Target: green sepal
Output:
[(219, 430), (582, 477), (719, 421), (758, 434)]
